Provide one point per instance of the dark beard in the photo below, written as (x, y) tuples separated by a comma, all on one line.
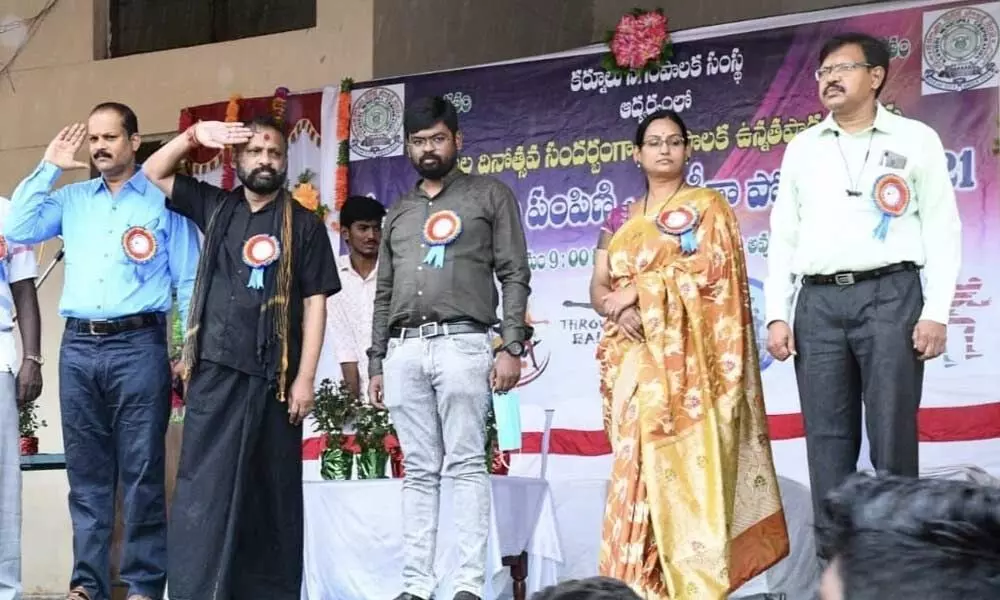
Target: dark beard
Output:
[(439, 170), (261, 185)]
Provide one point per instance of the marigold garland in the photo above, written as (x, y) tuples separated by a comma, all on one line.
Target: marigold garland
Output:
[(343, 133), (228, 170)]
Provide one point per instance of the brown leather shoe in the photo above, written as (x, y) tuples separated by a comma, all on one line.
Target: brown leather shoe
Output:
[(78, 593)]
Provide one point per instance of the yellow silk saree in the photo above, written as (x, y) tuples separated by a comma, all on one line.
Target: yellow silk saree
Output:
[(693, 510)]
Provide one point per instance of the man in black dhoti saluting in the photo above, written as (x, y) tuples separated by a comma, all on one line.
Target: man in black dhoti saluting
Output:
[(255, 330)]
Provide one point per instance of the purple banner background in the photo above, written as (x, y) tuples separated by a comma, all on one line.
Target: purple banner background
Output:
[(743, 97)]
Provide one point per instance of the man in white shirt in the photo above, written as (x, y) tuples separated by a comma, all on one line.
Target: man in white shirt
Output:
[(349, 313), (865, 202), (17, 292)]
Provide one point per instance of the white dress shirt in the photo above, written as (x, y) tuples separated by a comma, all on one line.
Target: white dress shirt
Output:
[(18, 265), (818, 229), (349, 318)]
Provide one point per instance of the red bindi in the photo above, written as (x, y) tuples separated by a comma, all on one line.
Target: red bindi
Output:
[(267, 137)]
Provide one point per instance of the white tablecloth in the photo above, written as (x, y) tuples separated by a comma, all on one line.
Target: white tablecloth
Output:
[(354, 544)]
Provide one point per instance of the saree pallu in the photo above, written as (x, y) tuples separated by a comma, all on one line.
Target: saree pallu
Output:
[(693, 510)]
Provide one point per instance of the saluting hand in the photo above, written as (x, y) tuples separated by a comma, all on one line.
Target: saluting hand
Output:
[(219, 134), (63, 148)]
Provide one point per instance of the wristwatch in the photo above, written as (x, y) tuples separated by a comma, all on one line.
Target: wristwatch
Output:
[(517, 349), (35, 359)]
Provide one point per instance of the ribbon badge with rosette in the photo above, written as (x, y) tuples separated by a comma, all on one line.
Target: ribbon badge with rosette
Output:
[(139, 244), (682, 223), (259, 252), (892, 195), (441, 229)]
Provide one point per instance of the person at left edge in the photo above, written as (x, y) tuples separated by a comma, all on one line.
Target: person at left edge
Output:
[(124, 253)]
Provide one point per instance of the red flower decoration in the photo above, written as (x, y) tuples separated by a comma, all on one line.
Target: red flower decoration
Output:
[(639, 41)]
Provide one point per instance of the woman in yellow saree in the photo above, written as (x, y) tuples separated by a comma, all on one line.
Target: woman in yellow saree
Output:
[(693, 509)]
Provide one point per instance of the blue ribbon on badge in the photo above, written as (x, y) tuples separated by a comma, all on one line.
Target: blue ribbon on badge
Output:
[(689, 243), (435, 257), (507, 411), (256, 278), (882, 229)]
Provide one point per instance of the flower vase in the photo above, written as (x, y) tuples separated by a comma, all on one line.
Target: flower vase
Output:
[(371, 463), (29, 445), (335, 464)]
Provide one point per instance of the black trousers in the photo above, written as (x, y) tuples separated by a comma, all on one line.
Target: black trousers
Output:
[(854, 348), (235, 530)]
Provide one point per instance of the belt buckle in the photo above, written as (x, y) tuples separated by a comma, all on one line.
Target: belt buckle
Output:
[(434, 328), (844, 278), (92, 330)]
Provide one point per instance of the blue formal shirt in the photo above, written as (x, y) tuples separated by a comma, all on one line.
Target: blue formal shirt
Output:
[(101, 281)]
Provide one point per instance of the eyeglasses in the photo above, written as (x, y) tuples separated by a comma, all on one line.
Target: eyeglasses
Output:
[(438, 141), (840, 69), (674, 141)]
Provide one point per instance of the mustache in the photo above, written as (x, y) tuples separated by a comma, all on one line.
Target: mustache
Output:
[(430, 155), (101, 154), (260, 170), (833, 86)]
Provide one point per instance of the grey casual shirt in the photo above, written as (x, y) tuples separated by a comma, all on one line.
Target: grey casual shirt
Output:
[(410, 293)]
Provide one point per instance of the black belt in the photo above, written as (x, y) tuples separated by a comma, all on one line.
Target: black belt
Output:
[(430, 330), (113, 326), (852, 277)]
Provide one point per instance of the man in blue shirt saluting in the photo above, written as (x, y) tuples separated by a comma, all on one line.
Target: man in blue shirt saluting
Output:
[(124, 253)]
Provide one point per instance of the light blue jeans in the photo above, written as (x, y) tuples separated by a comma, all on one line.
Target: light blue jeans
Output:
[(10, 491), (437, 391)]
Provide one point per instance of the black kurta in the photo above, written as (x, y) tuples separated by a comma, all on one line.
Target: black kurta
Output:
[(236, 520)]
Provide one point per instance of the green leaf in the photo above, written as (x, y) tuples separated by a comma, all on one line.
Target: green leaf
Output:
[(346, 84)]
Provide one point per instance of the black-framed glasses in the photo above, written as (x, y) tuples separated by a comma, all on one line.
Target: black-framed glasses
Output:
[(840, 69)]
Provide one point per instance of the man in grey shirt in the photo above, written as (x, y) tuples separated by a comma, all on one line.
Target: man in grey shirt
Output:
[(435, 301)]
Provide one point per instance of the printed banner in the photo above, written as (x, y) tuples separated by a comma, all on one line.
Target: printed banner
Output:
[(560, 133)]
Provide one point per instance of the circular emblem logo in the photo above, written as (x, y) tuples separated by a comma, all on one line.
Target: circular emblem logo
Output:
[(442, 228), (377, 123), (892, 194), (260, 250), (759, 326), (678, 221), (960, 49), (139, 244)]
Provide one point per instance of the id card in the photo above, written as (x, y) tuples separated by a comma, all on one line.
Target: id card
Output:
[(507, 410)]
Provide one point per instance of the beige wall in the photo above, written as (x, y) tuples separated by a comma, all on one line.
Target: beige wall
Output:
[(55, 80)]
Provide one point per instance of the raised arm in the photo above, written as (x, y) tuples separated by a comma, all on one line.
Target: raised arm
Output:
[(36, 211), (161, 166)]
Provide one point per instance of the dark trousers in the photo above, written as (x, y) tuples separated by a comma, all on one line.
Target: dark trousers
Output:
[(114, 393), (236, 522), (855, 347)]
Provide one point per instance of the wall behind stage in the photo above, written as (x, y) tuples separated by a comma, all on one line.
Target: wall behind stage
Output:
[(559, 131)]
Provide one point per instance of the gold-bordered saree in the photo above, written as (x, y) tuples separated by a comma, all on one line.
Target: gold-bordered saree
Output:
[(693, 510)]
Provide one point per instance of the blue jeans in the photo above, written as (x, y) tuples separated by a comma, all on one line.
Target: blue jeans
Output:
[(114, 392)]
